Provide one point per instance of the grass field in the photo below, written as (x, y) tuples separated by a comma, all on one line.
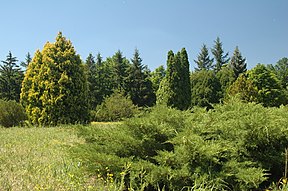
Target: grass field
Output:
[(38, 159)]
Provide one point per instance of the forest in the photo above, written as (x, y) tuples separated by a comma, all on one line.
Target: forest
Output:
[(218, 126)]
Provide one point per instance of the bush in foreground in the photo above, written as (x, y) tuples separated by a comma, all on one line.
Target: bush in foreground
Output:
[(236, 146), (11, 113)]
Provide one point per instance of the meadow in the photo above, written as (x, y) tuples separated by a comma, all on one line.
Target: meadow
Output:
[(38, 159)]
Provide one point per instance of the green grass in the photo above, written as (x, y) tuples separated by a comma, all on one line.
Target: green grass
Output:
[(38, 159)]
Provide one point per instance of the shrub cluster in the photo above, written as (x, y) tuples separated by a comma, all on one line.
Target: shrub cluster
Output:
[(115, 108), (11, 113), (236, 146)]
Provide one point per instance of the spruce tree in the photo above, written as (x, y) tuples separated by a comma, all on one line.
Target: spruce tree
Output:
[(92, 80), (219, 58), (203, 60), (28, 59), (11, 78), (105, 84), (138, 84), (54, 90), (119, 66), (238, 63)]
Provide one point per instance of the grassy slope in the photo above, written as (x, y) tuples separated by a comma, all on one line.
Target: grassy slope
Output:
[(38, 159)]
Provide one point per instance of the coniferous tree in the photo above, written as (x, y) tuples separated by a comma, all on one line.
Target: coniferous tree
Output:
[(185, 85), (238, 63), (138, 84), (11, 78), (165, 93), (54, 90), (219, 56), (105, 84), (205, 88), (28, 59), (281, 71), (119, 65), (203, 60), (173, 88), (91, 80)]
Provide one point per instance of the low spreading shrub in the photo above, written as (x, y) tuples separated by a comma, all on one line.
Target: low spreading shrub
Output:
[(236, 146), (11, 113)]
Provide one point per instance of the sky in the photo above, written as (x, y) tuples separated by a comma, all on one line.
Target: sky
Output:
[(258, 27)]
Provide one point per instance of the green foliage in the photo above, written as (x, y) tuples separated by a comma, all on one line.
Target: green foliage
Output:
[(226, 78), (11, 113), (115, 108), (268, 87), (174, 88), (236, 146), (28, 59), (138, 85), (118, 66), (54, 89), (280, 69), (90, 69), (184, 82), (205, 88), (243, 88), (203, 60), (220, 59), (157, 76), (10, 79), (259, 85), (238, 63)]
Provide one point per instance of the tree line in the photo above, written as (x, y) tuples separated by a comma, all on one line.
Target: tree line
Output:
[(56, 86)]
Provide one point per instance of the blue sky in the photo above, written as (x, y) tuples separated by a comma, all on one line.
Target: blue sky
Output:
[(258, 27)]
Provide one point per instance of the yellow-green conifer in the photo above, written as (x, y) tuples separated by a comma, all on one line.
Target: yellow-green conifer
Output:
[(54, 90)]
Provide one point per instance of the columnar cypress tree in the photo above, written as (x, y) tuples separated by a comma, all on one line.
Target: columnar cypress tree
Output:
[(238, 63), (54, 89), (185, 80), (218, 52), (203, 60), (138, 84), (173, 88), (10, 79), (165, 92)]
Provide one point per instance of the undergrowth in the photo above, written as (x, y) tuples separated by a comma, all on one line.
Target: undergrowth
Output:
[(236, 146)]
